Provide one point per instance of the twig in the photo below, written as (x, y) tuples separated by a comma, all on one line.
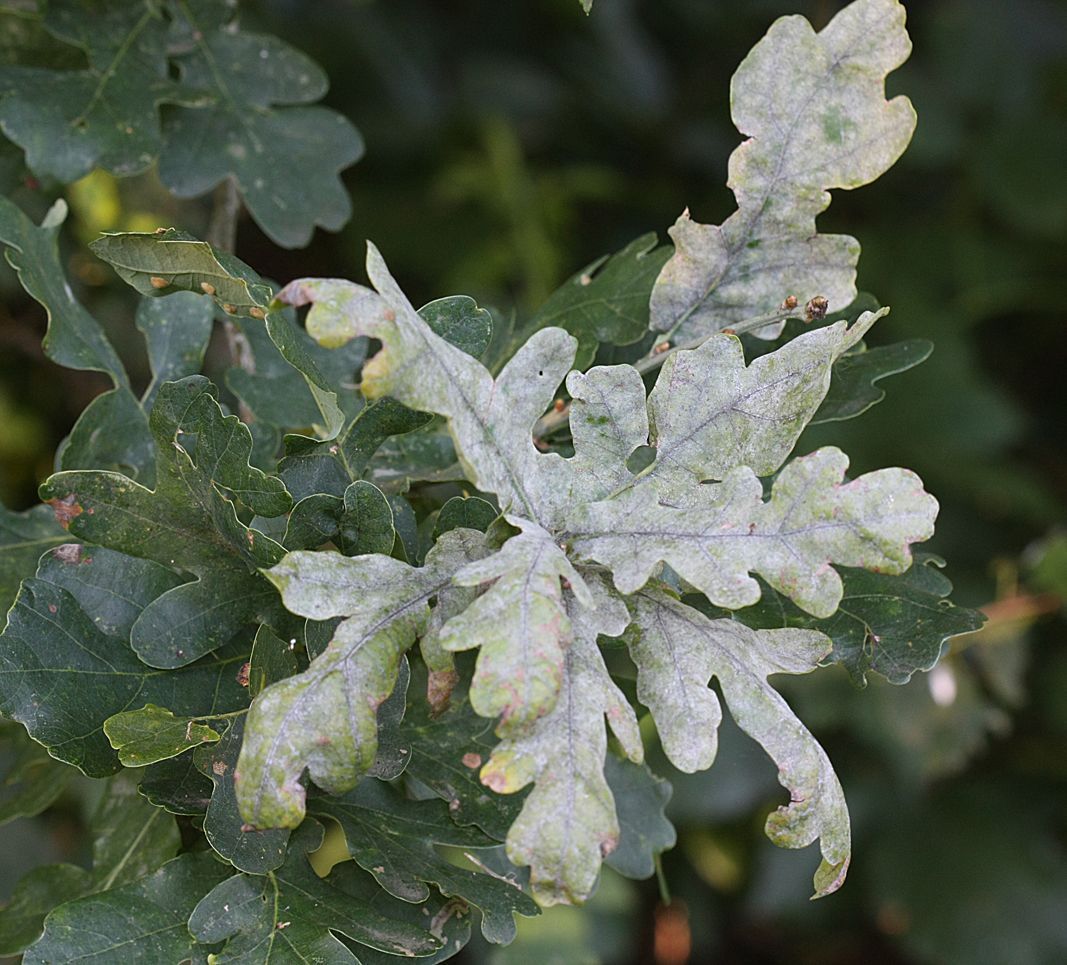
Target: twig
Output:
[(560, 414), (222, 235)]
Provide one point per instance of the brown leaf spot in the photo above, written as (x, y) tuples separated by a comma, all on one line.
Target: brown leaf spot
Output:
[(790, 303), (65, 509), (219, 767), (242, 674), (52, 608), (68, 553), (257, 312), (472, 760), (207, 288), (439, 687), (156, 282)]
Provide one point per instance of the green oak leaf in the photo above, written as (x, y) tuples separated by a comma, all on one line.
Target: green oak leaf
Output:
[(66, 664), (285, 157), (311, 466), (142, 921), (153, 734), (181, 262), (74, 338), (168, 262), (294, 723), (112, 432), (272, 659), (71, 121), (814, 110), (644, 830), (448, 747), (360, 522), (394, 839), (23, 538), (256, 852), (177, 786), (607, 301), (30, 780), (465, 512), (291, 914), (131, 837), (568, 823), (36, 894), (677, 650), (854, 386), (188, 523), (889, 625)]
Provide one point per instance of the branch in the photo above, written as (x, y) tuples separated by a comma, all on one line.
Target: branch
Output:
[(222, 234), (560, 414)]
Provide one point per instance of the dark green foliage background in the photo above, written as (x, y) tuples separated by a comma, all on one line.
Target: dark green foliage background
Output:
[(511, 143)]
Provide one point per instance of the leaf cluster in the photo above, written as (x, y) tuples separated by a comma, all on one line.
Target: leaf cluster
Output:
[(124, 85), (416, 582)]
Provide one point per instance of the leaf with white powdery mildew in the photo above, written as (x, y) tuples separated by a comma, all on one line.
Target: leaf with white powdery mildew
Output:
[(718, 534), (677, 650), (813, 106), (699, 506), (568, 823), (520, 624), (325, 719)]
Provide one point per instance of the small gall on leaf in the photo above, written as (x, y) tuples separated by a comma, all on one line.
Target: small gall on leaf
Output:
[(816, 309), (256, 312), (472, 760), (156, 282), (242, 674), (790, 303), (68, 553), (229, 309), (207, 288)]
